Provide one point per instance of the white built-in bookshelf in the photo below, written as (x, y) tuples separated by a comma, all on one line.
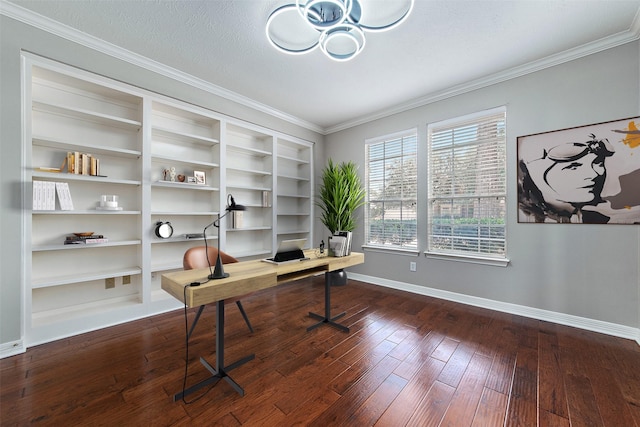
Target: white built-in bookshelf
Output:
[(138, 137)]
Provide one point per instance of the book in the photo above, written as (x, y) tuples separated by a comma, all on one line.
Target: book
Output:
[(237, 219), (44, 196), (347, 235), (194, 236), (337, 245), (266, 199), (64, 196), (86, 241)]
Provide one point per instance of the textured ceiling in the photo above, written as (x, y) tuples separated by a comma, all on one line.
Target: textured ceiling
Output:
[(444, 44)]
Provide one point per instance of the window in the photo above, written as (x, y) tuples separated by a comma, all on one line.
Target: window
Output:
[(467, 185), (391, 183)]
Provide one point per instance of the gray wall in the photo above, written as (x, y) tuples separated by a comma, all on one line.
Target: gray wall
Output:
[(589, 271), (16, 36)]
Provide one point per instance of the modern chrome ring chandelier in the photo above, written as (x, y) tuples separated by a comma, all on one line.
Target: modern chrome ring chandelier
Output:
[(337, 27)]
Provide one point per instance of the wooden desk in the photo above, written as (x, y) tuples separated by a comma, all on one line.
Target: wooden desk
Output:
[(249, 276), (246, 277)]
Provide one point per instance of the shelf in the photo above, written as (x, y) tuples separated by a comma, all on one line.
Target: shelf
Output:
[(62, 176), (181, 239), (98, 275), (248, 187), (297, 178), (250, 171), (43, 141), (294, 159), (106, 119), (208, 165), (296, 196), (183, 213), (258, 228), (184, 185), (61, 247), (255, 151), (293, 213), (86, 212), (186, 137), (166, 267), (292, 231), (48, 317)]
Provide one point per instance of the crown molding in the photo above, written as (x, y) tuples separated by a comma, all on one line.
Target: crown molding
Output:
[(71, 34), (560, 58)]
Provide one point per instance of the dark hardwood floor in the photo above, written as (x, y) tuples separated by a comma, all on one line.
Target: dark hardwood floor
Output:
[(409, 360)]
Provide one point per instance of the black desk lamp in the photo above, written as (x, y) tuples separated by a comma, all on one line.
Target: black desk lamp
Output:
[(218, 272)]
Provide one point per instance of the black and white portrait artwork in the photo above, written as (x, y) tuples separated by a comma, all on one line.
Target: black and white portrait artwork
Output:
[(584, 175)]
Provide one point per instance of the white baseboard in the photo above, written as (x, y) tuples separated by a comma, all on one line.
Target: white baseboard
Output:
[(12, 348), (521, 310)]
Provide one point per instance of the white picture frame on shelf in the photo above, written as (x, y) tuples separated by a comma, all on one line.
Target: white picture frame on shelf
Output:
[(200, 176), (191, 179)]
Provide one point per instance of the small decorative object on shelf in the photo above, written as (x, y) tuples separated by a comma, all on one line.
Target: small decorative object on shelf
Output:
[(164, 229), (181, 178), (191, 179), (109, 202), (200, 177)]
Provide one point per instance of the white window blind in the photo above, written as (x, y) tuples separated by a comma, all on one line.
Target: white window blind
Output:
[(391, 183), (467, 185)]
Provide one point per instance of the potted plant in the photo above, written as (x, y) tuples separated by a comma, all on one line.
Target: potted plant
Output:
[(341, 193)]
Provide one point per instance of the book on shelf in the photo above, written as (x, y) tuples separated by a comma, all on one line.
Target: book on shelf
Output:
[(82, 164), (194, 235), (266, 199), (64, 196), (44, 196), (237, 219), (85, 240)]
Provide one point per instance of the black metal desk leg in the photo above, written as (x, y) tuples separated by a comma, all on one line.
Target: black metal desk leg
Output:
[(327, 319), (219, 371)]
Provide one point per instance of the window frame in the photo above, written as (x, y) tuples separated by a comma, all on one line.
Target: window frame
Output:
[(408, 133), (459, 255)]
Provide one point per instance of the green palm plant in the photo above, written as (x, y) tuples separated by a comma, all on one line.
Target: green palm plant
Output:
[(341, 193)]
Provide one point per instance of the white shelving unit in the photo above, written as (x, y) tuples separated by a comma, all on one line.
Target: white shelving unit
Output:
[(65, 292), (248, 176), (137, 136), (295, 184), (188, 139)]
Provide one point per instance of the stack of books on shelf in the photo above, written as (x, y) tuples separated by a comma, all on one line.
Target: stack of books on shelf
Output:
[(82, 164), (237, 218), (266, 199), (83, 239), (44, 196)]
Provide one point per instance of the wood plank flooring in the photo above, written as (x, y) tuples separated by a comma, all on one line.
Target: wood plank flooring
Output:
[(408, 360)]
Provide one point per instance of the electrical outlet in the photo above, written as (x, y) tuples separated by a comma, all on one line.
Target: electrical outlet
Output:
[(126, 280), (412, 266), (110, 282)]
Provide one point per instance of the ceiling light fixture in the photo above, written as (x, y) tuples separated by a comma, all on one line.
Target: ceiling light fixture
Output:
[(336, 26)]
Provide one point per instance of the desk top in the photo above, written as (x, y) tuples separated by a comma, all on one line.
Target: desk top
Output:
[(249, 276)]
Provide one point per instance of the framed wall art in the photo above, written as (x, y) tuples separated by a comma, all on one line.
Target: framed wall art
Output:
[(200, 177), (585, 175)]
